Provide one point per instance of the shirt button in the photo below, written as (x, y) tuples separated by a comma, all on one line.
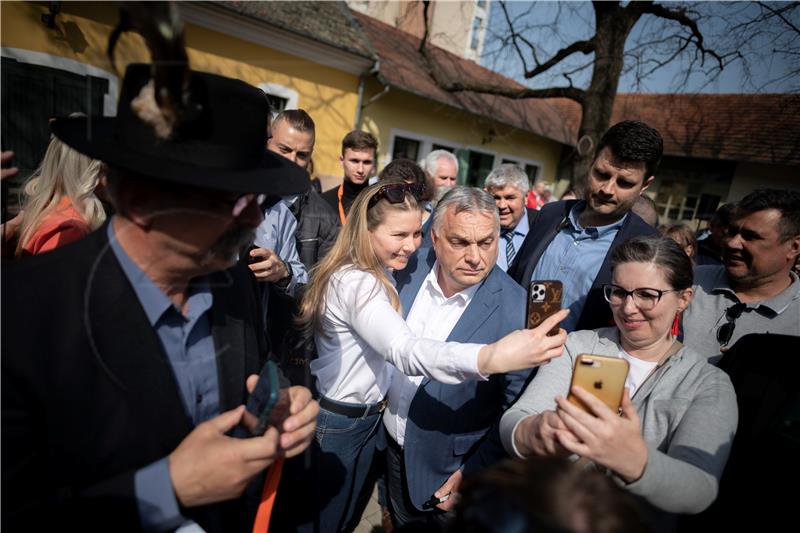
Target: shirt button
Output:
[(199, 399)]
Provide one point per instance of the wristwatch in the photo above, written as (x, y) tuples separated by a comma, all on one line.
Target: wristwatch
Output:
[(284, 281)]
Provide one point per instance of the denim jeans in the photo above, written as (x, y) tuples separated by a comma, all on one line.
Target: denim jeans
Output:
[(346, 467)]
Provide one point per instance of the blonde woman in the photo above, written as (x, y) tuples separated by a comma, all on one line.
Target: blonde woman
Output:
[(353, 309), (60, 205)]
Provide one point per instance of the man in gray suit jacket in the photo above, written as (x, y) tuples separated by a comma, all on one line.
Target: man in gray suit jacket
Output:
[(438, 433)]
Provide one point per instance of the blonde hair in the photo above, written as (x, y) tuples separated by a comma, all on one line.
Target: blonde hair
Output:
[(63, 172), (353, 247)]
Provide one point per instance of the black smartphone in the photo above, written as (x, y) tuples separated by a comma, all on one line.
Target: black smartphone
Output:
[(544, 300), (249, 258), (268, 404)]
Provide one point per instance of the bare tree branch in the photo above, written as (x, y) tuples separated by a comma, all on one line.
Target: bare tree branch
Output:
[(513, 36), (585, 47), (680, 16), (779, 13)]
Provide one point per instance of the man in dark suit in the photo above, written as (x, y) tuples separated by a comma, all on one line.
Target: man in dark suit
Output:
[(509, 185), (570, 240), (127, 355), (438, 433)]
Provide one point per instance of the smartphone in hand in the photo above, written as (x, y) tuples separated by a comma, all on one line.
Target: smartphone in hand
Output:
[(602, 376), (268, 404), (544, 300)]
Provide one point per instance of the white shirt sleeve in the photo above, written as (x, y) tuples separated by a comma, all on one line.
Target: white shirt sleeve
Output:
[(369, 312)]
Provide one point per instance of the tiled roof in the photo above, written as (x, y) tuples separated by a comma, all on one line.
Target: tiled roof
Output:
[(741, 127), (402, 66), (762, 128), (327, 22)]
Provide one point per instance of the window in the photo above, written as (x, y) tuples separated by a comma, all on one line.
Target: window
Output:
[(443, 147), (404, 147), (530, 169), (279, 97), (476, 28), (533, 172), (276, 104), (478, 166), (32, 94)]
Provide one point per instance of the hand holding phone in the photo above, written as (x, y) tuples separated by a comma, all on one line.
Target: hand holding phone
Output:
[(269, 402), (602, 376), (544, 300)]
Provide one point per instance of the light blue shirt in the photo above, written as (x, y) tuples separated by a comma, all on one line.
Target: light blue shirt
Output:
[(518, 235), (574, 258), (189, 346), (276, 233)]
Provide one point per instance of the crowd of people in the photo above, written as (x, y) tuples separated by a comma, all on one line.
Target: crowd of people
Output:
[(149, 278)]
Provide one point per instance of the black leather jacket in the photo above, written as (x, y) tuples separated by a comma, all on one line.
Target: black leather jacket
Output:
[(317, 227)]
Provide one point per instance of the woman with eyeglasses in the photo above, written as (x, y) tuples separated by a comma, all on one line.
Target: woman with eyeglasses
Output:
[(670, 441), (353, 311)]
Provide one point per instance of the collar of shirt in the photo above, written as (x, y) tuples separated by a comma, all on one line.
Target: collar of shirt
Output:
[(594, 232), (153, 299), (432, 284), (777, 305)]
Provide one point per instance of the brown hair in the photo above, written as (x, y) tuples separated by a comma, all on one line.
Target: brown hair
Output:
[(545, 494), (296, 118), (358, 140), (681, 234), (353, 247)]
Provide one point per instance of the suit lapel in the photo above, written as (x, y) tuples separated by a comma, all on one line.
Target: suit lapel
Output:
[(229, 334), (409, 280), (538, 248), (484, 303)]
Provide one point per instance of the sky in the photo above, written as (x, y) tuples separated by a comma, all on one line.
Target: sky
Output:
[(770, 59)]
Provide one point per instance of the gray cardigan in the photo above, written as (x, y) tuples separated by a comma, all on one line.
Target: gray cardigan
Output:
[(688, 412)]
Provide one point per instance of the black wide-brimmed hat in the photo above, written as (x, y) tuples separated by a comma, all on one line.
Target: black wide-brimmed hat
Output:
[(221, 147)]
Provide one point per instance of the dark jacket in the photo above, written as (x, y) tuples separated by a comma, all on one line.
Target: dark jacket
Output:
[(317, 227), (349, 193), (89, 396), (552, 218)]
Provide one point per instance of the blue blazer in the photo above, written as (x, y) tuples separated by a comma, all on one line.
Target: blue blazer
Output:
[(456, 426), (552, 219)]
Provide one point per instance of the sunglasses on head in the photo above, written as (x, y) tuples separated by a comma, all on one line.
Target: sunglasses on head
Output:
[(725, 331), (395, 193)]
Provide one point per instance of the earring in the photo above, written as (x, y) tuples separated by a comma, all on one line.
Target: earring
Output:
[(676, 325)]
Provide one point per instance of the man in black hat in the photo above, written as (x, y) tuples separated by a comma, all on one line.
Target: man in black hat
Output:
[(127, 355)]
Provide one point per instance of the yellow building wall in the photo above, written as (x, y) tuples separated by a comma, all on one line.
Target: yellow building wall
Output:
[(329, 95), (405, 111)]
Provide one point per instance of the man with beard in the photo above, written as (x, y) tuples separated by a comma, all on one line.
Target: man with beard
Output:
[(755, 290), (570, 240), (127, 355)]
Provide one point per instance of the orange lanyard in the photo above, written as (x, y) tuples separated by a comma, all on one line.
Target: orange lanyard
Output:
[(268, 494), (341, 209)]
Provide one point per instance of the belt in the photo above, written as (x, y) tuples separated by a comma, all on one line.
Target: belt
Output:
[(352, 410)]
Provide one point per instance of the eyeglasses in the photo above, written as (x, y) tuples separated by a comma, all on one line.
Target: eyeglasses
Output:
[(644, 298), (395, 193), (725, 331)]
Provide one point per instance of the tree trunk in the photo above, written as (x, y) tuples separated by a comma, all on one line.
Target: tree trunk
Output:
[(613, 24)]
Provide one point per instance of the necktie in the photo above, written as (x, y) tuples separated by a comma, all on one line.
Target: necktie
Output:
[(510, 251)]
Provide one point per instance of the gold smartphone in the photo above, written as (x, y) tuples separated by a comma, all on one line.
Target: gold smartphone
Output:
[(544, 300), (602, 376)]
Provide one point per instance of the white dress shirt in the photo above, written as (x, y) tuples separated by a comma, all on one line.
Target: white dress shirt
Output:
[(432, 316), (361, 332)]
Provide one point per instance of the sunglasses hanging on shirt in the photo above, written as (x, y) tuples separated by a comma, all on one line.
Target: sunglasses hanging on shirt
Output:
[(725, 331)]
